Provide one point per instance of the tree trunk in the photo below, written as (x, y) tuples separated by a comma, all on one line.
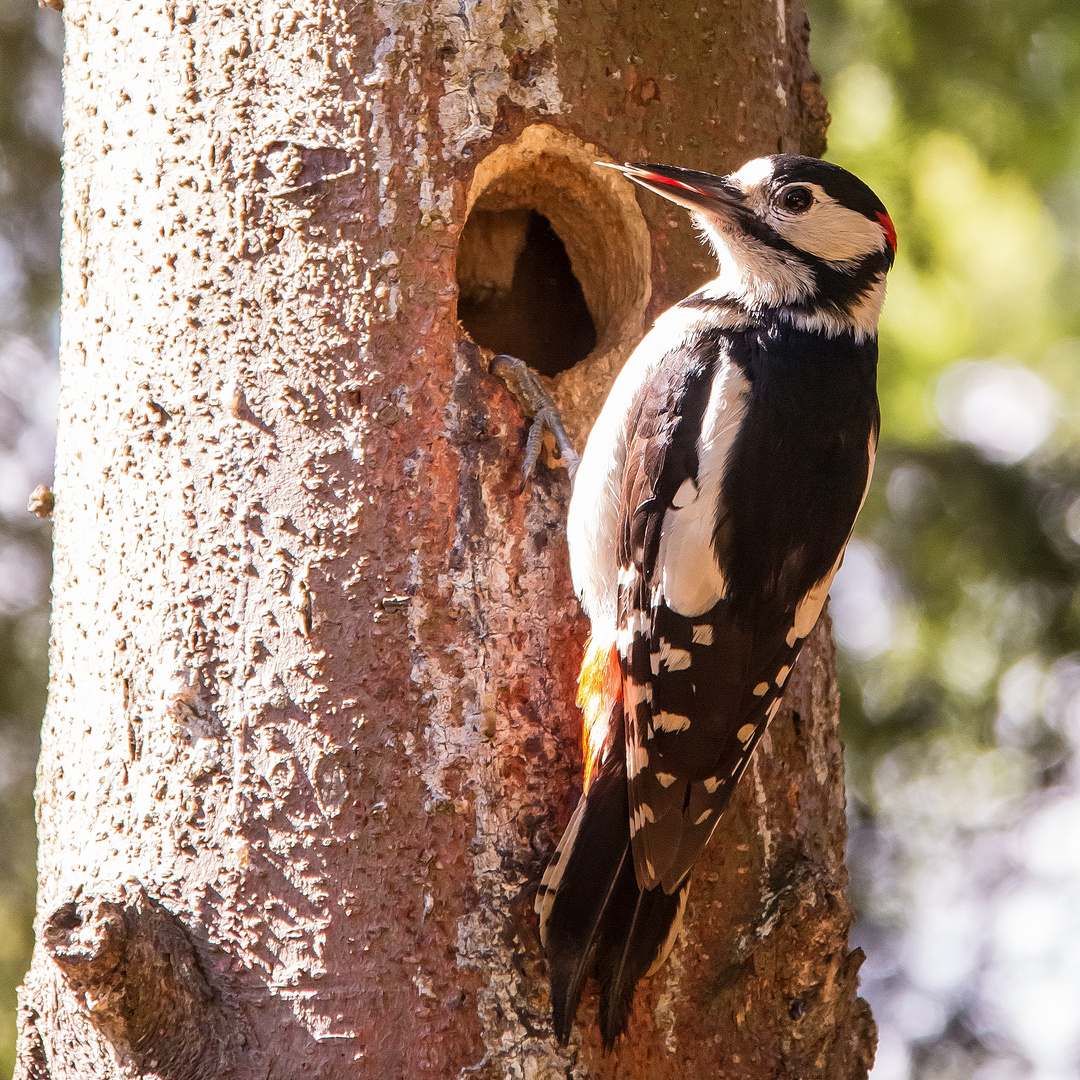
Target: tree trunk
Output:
[(311, 731)]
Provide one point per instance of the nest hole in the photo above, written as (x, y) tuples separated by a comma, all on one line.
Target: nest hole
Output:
[(520, 295), (553, 258)]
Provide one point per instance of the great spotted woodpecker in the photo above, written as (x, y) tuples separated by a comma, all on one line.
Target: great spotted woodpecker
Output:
[(710, 513)]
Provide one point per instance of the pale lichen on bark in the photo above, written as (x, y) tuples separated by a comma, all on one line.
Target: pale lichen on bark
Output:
[(485, 39)]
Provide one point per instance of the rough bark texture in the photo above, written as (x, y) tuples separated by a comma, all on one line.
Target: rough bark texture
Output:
[(311, 732)]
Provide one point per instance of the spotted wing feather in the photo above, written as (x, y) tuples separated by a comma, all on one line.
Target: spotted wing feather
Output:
[(666, 655), (704, 668)]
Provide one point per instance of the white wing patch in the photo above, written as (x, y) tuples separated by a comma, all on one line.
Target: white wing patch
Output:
[(592, 524), (687, 568), (637, 623), (670, 722), (674, 659), (686, 494), (637, 758)]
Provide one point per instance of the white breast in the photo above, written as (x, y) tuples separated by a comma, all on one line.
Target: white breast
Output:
[(593, 519), (686, 561)]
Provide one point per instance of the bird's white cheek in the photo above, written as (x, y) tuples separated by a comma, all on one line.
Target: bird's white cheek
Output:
[(833, 233)]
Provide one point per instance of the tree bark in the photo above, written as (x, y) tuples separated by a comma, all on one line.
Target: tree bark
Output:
[(311, 731)]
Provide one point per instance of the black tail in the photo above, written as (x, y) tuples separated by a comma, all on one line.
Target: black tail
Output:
[(593, 917)]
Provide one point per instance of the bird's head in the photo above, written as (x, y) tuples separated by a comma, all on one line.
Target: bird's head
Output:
[(792, 233)]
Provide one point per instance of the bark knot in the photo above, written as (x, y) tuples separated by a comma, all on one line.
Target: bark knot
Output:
[(136, 971)]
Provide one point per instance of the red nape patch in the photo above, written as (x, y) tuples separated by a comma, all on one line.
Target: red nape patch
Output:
[(889, 229), (599, 688)]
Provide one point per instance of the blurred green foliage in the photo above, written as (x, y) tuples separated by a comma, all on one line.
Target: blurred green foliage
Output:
[(964, 116), (30, 42), (22, 699), (30, 52), (961, 721)]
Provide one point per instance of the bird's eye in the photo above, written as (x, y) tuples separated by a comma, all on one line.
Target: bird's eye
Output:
[(797, 200)]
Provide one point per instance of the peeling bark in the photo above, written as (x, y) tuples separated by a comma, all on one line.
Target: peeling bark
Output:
[(311, 732)]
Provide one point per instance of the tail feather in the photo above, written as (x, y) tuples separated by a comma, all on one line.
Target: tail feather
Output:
[(594, 918), (645, 945), (571, 964), (617, 996)]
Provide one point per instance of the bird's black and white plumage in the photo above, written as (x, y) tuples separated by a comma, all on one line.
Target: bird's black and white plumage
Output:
[(710, 513)]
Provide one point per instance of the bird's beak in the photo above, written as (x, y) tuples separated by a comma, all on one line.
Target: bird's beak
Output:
[(696, 191)]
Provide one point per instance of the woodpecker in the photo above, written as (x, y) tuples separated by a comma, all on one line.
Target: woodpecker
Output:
[(709, 515)]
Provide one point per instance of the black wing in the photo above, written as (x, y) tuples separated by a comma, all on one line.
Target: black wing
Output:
[(705, 666)]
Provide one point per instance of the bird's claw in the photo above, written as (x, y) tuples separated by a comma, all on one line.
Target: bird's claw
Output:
[(538, 406)]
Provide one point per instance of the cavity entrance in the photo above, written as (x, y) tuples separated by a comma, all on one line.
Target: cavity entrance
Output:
[(518, 293), (553, 262)]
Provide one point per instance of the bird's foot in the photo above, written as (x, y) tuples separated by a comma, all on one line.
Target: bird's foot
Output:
[(537, 405)]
